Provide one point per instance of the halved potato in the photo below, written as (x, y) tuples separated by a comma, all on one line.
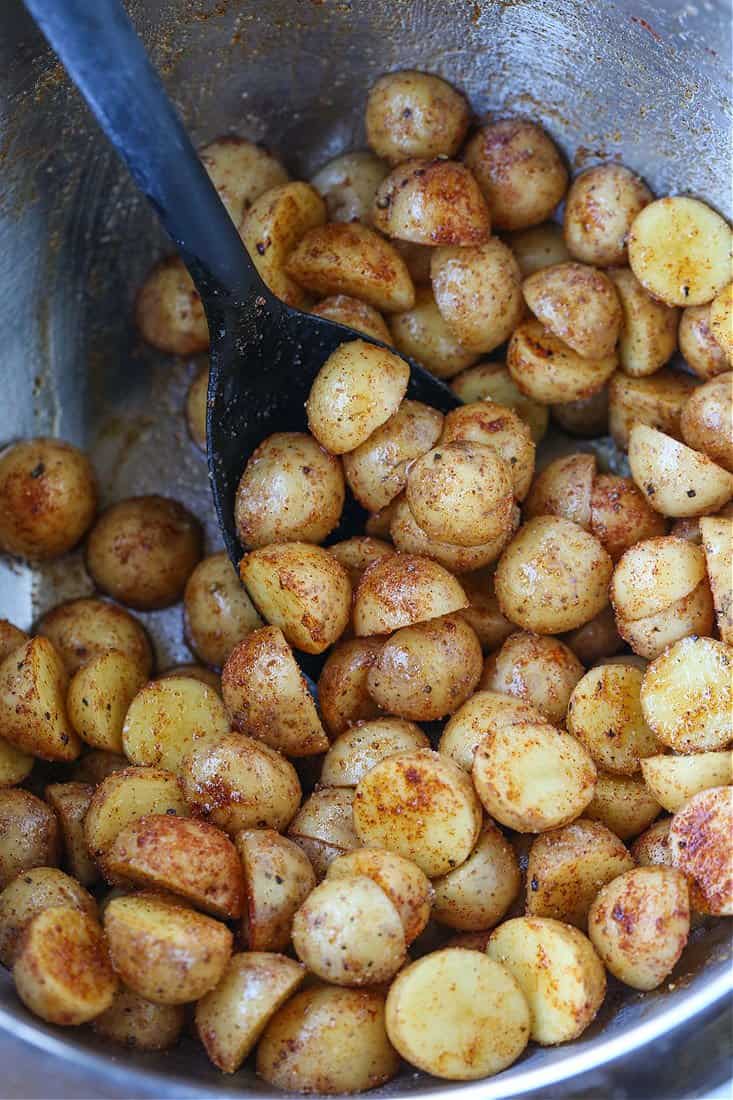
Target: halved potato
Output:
[(240, 171), (401, 590), (272, 227), (676, 480), (700, 842), (94, 766), (358, 749), (648, 337), (15, 765), (406, 886), (549, 371), (577, 304), (706, 419), (476, 895), (698, 346), (99, 695), (717, 542), (656, 400), (70, 802), (484, 711), (721, 320), (564, 488), (477, 290), (348, 183), (599, 209), (414, 114), (620, 515), (38, 888), (541, 670), (606, 714), (343, 694), (652, 849), (11, 638), (29, 834), (493, 382), (686, 695), (169, 313), (357, 553), (195, 409), (537, 247), (422, 333), (586, 416), (135, 1022), (33, 714), (652, 634), (324, 826), (483, 612), (218, 613), (673, 780), (596, 640), (82, 629), (278, 877), (623, 804), (409, 538), (356, 314), (655, 574), (432, 202), (125, 796), (168, 717), (495, 426)]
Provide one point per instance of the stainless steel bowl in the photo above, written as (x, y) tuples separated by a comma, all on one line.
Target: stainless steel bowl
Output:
[(643, 81)]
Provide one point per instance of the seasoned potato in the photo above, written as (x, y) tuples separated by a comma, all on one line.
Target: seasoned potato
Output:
[(686, 695), (169, 313), (595, 640), (357, 553), (495, 426), (654, 574), (541, 670), (532, 777), (538, 247), (348, 183), (15, 765), (432, 202), (239, 783), (579, 305), (48, 497), (358, 749), (558, 971), (520, 170), (195, 410), (165, 952), (30, 893), (721, 320), (414, 114), (620, 516), (493, 382), (70, 802), (168, 717), (11, 638), (33, 714), (564, 488), (302, 589), (599, 209), (406, 886), (273, 226), (483, 613), (85, 628), (717, 536), (553, 576), (476, 895), (425, 671), (352, 259), (94, 766), (484, 712), (328, 1040), (376, 471), (278, 877), (478, 293), (99, 695), (549, 371), (401, 590), (673, 780), (62, 970), (355, 314), (680, 249), (291, 490), (217, 611), (587, 416), (568, 866), (700, 842), (652, 849), (124, 797), (651, 635), (605, 713), (420, 805), (676, 480), (240, 171), (701, 351), (142, 551), (137, 1023), (343, 695), (706, 420), (623, 804), (409, 537), (639, 924), (648, 337), (657, 401), (324, 827), (423, 334), (377, 523), (192, 671), (266, 696)]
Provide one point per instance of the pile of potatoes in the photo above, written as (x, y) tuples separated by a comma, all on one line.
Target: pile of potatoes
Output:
[(332, 881)]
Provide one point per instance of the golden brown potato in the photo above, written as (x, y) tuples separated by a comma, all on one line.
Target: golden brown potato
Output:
[(484, 712), (168, 310), (578, 305), (355, 314), (717, 536), (599, 209), (218, 613), (476, 895), (483, 612), (721, 320), (70, 802), (496, 426), (532, 777), (15, 765), (409, 537), (240, 171), (654, 574), (679, 249), (414, 114), (605, 713), (541, 670), (549, 371), (639, 924), (85, 628), (493, 382), (706, 420), (124, 797), (432, 202), (278, 877), (595, 640), (357, 553), (420, 805), (620, 515), (538, 247), (406, 886), (676, 480), (657, 401), (686, 695), (401, 590), (652, 849), (30, 893), (588, 416), (348, 183), (478, 293), (204, 675), (273, 226), (558, 971), (343, 696), (520, 171), (33, 715), (324, 826), (568, 866), (62, 970), (648, 337), (425, 671), (699, 347), (700, 842), (165, 952), (168, 717), (564, 488), (359, 748), (11, 638), (673, 780), (266, 696), (137, 1023), (623, 804), (651, 635), (423, 334), (99, 695), (352, 259)]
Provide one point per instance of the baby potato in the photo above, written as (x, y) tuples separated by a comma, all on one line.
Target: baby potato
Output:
[(686, 695), (652, 849), (520, 170), (163, 951), (648, 337), (691, 614), (568, 866), (654, 574), (623, 804), (699, 347), (349, 932), (620, 516), (348, 184), (70, 802), (355, 314), (476, 895), (85, 628), (706, 420), (48, 497), (417, 258), (11, 638), (425, 671), (657, 401), (376, 471), (266, 696), (273, 226), (676, 480), (124, 797), (605, 713), (231, 1017), (541, 670), (680, 249), (700, 842), (62, 970), (564, 488), (401, 590), (588, 416), (717, 535), (406, 886), (458, 1015), (721, 320), (557, 969), (358, 388), (549, 371), (28, 894), (239, 783), (343, 695), (29, 834), (596, 640), (302, 589), (218, 613), (420, 805), (673, 780), (483, 613), (423, 334), (493, 382), (167, 718), (33, 715), (577, 304), (15, 765), (538, 247), (409, 537), (478, 292), (94, 766), (278, 877), (359, 748), (352, 259), (240, 171), (495, 426), (599, 209), (532, 777), (414, 114), (357, 553), (432, 202), (461, 492), (324, 826), (482, 713), (137, 1023), (169, 313), (328, 1040), (141, 551), (553, 576), (292, 490), (99, 695), (639, 924)]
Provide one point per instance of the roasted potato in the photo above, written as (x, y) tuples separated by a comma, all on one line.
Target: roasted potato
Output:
[(538, 247), (406, 886), (169, 313), (11, 638), (484, 712), (348, 184), (357, 553), (657, 401), (137, 1023), (94, 766), (578, 305), (496, 426), (648, 337), (493, 382), (31, 892), (355, 314), (476, 895), (605, 713), (698, 346), (218, 613), (700, 842), (541, 670), (324, 827), (595, 640), (401, 590), (717, 536), (564, 488), (168, 717), (124, 797), (721, 320), (686, 695), (423, 334), (15, 765), (599, 209), (33, 714), (706, 420), (477, 290), (549, 371), (483, 613), (623, 804), (414, 114), (364, 744), (673, 780), (652, 849), (409, 537), (620, 515), (586, 416), (273, 226), (70, 802), (676, 480), (240, 171), (278, 877), (343, 695), (99, 695), (651, 635), (85, 628), (432, 202)]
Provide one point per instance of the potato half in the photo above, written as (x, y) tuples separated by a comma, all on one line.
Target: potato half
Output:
[(401, 590), (686, 695), (700, 842), (168, 717), (33, 714), (432, 202), (277, 879), (606, 714), (549, 371), (676, 480), (476, 895), (38, 888), (673, 780), (358, 749)]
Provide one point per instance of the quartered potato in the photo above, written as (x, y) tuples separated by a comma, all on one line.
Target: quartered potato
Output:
[(700, 349), (423, 334), (496, 426), (123, 797), (99, 696), (85, 628), (169, 313), (717, 541), (357, 553), (686, 695), (700, 842), (33, 714), (599, 209), (578, 305), (139, 1024), (240, 171), (721, 320), (657, 401), (278, 877), (406, 886), (359, 748), (484, 712), (273, 226), (409, 538), (432, 202), (414, 114), (586, 416), (606, 713), (623, 804), (29, 834), (541, 670), (31, 892), (706, 420), (70, 802), (348, 184), (476, 895), (673, 780), (167, 718), (648, 337), (343, 694), (478, 292), (401, 590), (538, 247), (196, 408), (549, 371), (483, 613), (676, 480), (639, 924), (564, 488), (356, 314), (493, 382), (595, 640), (324, 826)]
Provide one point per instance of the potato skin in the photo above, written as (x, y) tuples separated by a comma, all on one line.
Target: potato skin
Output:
[(539, 669), (476, 895), (537, 247), (676, 480), (401, 590), (706, 418), (406, 886), (99, 695), (123, 797), (699, 347), (495, 426), (409, 538), (324, 826), (70, 802), (278, 877), (477, 290), (493, 382), (549, 371), (721, 320), (134, 1022), (579, 305), (717, 536), (620, 515), (273, 226), (195, 408), (599, 209), (85, 628), (36, 889), (657, 401), (347, 183), (595, 640), (605, 713), (11, 638), (414, 114), (648, 336), (484, 711), (169, 313), (623, 804), (240, 171), (587, 416), (357, 553), (33, 714), (432, 202), (564, 488), (359, 748), (343, 694), (699, 840), (217, 611), (354, 313), (422, 333), (29, 834)]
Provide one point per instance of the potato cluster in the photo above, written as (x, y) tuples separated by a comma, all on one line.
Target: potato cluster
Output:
[(222, 837)]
